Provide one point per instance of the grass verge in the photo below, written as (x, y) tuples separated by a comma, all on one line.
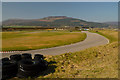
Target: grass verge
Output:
[(110, 34)]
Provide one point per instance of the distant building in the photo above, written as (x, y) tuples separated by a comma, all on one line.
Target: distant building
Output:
[(86, 28), (58, 29)]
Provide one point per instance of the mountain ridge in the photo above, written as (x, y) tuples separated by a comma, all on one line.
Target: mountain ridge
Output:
[(52, 21)]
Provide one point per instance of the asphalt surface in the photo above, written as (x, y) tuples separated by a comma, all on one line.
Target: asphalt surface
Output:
[(92, 40)]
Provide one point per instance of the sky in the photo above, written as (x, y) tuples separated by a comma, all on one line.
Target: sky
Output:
[(89, 11), (60, 0)]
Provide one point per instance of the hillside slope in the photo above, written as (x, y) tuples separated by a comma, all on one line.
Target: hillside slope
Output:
[(52, 21)]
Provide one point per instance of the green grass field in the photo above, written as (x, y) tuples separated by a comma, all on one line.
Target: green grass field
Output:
[(95, 62), (29, 40)]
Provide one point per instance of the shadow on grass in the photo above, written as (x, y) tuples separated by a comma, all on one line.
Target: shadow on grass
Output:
[(50, 69), (51, 62)]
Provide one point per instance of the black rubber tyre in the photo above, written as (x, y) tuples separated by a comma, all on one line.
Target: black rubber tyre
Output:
[(15, 57), (9, 70), (42, 64), (28, 68), (26, 74), (5, 59), (28, 65), (9, 66), (26, 56), (38, 57), (45, 65)]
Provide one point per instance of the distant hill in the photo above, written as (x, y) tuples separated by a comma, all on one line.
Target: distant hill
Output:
[(53, 21), (112, 23)]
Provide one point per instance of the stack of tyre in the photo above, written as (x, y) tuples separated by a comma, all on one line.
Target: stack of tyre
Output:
[(23, 66)]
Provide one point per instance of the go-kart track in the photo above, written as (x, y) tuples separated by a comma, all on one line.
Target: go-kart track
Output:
[(93, 39)]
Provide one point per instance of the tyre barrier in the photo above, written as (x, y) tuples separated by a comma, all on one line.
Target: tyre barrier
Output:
[(38, 57), (15, 57), (9, 70), (28, 68), (23, 66), (26, 56), (5, 59)]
